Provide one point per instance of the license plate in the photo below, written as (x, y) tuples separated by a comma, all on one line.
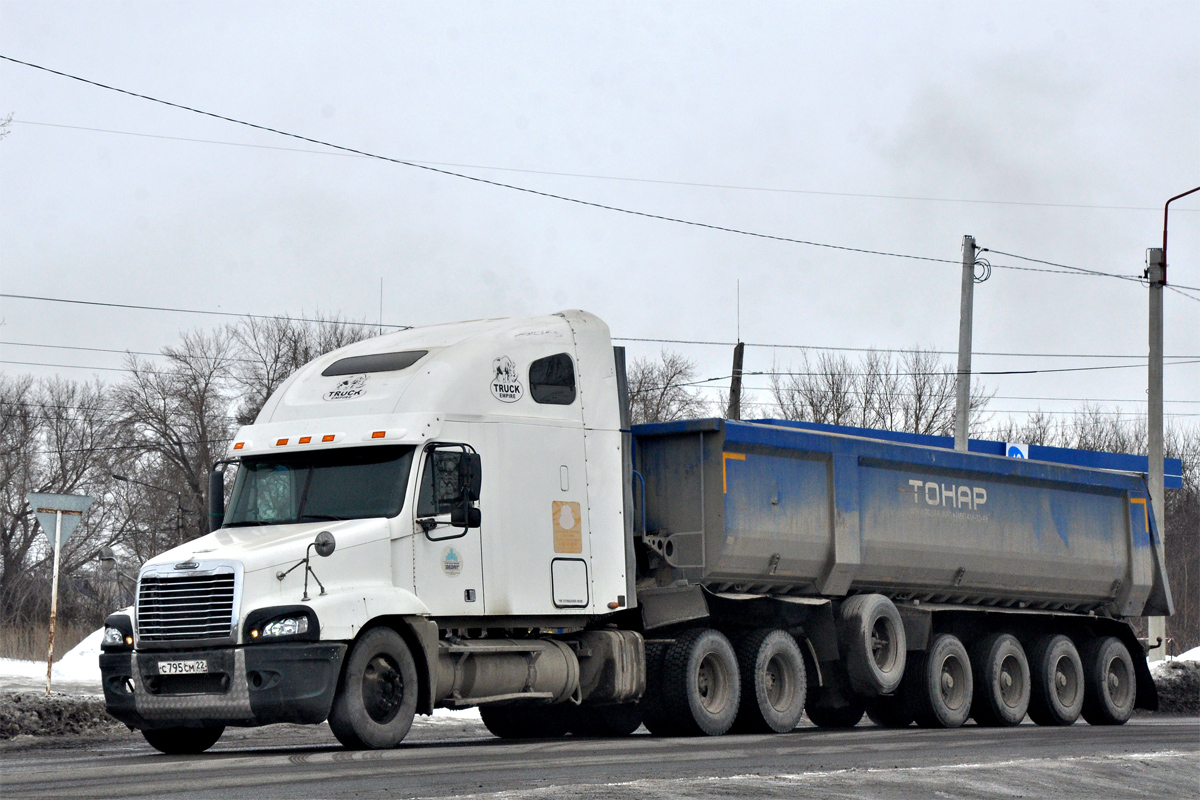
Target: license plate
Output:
[(183, 667)]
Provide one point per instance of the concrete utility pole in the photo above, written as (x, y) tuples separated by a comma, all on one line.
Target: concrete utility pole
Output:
[(963, 392), (1156, 274), (735, 385)]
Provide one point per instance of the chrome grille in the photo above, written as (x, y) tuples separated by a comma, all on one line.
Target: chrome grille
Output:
[(178, 608)]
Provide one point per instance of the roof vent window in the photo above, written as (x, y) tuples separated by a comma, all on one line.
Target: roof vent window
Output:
[(378, 362)]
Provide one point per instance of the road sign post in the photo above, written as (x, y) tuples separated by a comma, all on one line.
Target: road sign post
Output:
[(61, 513)]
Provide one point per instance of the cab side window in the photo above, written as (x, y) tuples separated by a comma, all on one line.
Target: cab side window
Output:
[(552, 380)]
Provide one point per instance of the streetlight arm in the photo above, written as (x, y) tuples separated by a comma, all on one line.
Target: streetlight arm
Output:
[(1166, 209)]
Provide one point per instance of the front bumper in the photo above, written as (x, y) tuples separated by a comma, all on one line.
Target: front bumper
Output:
[(256, 685)]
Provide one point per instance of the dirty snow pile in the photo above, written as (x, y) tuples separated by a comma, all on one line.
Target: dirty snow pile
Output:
[(35, 714), (1178, 682)]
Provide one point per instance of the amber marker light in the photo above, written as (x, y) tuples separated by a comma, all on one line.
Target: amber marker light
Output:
[(254, 635), (305, 439), (239, 445), (378, 434), (281, 442), (329, 437)]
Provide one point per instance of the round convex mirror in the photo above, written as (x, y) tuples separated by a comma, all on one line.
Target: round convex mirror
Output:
[(325, 544)]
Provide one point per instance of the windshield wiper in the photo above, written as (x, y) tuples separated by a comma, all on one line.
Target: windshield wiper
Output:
[(320, 518), (250, 523)]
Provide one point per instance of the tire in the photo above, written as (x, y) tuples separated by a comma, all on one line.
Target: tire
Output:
[(654, 715), (1110, 684), (942, 698), (1002, 681), (894, 711), (183, 741), (606, 721), (525, 721), (701, 688), (377, 694), (774, 682), (1056, 677), (846, 716), (872, 643)]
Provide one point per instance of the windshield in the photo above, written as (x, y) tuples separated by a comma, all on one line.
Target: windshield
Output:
[(353, 483)]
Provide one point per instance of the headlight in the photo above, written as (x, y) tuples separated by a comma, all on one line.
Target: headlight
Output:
[(113, 636), (288, 626), (118, 633)]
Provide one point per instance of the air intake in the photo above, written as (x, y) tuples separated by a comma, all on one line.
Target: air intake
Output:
[(186, 608)]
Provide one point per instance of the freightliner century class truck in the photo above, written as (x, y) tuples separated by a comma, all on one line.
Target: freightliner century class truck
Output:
[(460, 515)]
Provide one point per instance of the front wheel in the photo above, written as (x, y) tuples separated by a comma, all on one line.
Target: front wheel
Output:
[(183, 741), (377, 695)]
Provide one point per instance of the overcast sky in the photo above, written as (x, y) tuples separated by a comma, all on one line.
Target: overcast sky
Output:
[(1050, 130)]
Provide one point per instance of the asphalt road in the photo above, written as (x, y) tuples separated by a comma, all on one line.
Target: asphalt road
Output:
[(1152, 756)]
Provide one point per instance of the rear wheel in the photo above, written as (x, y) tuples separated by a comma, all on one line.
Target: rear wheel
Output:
[(700, 683), (943, 696), (773, 680), (654, 714), (871, 634), (525, 721), (1002, 682), (183, 741), (1110, 686), (377, 694), (846, 716), (606, 721), (1056, 677)]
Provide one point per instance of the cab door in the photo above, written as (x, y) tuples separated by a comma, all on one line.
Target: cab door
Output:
[(447, 550)]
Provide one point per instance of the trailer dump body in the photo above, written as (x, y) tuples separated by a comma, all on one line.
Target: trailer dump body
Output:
[(751, 507)]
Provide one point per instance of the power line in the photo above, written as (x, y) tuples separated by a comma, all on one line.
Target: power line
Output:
[(1135, 278), (622, 178), (1178, 290), (192, 310), (476, 179)]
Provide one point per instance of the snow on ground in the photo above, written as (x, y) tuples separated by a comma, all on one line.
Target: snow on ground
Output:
[(77, 672), (1190, 655)]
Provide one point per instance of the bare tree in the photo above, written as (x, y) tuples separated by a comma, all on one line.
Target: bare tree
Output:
[(914, 394), (272, 349), (659, 389)]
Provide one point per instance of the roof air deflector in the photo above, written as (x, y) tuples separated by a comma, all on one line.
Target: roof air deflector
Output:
[(376, 362)]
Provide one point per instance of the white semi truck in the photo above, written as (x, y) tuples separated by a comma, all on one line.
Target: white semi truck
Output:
[(460, 515)]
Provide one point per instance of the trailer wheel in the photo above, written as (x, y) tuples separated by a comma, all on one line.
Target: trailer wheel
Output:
[(606, 721), (700, 683), (1002, 681), (1110, 688), (377, 694), (183, 741), (871, 635), (846, 716), (525, 721), (943, 697), (1056, 676), (654, 715), (774, 682)]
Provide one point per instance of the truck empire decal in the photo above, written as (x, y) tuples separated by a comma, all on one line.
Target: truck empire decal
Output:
[(350, 387), (506, 385), (967, 498)]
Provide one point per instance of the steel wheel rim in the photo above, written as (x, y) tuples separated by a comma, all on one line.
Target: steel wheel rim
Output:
[(952, 683), (712, 684), (382, 689), (1066, 681), (1117, 679), (778, 684), (883, 644), (1012, 681)]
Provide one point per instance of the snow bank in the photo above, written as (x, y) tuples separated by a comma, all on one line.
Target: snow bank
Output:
[(1178, 682), (1190, 655), (78, 671)]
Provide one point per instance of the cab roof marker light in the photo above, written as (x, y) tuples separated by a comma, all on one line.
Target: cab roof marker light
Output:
[(378, 434), (304, 440), (239, 445), (281, 442), (329, 437)]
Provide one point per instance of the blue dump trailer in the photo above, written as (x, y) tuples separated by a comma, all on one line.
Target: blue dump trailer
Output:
[(919, 583)]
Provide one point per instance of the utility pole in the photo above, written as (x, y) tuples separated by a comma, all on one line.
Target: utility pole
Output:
[(735, 385), (966, 304), (1156, 274)]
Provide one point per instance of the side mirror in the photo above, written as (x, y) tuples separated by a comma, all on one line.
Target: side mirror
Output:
[(108, 560), (216, 499), (325, 544), (468, 517)]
